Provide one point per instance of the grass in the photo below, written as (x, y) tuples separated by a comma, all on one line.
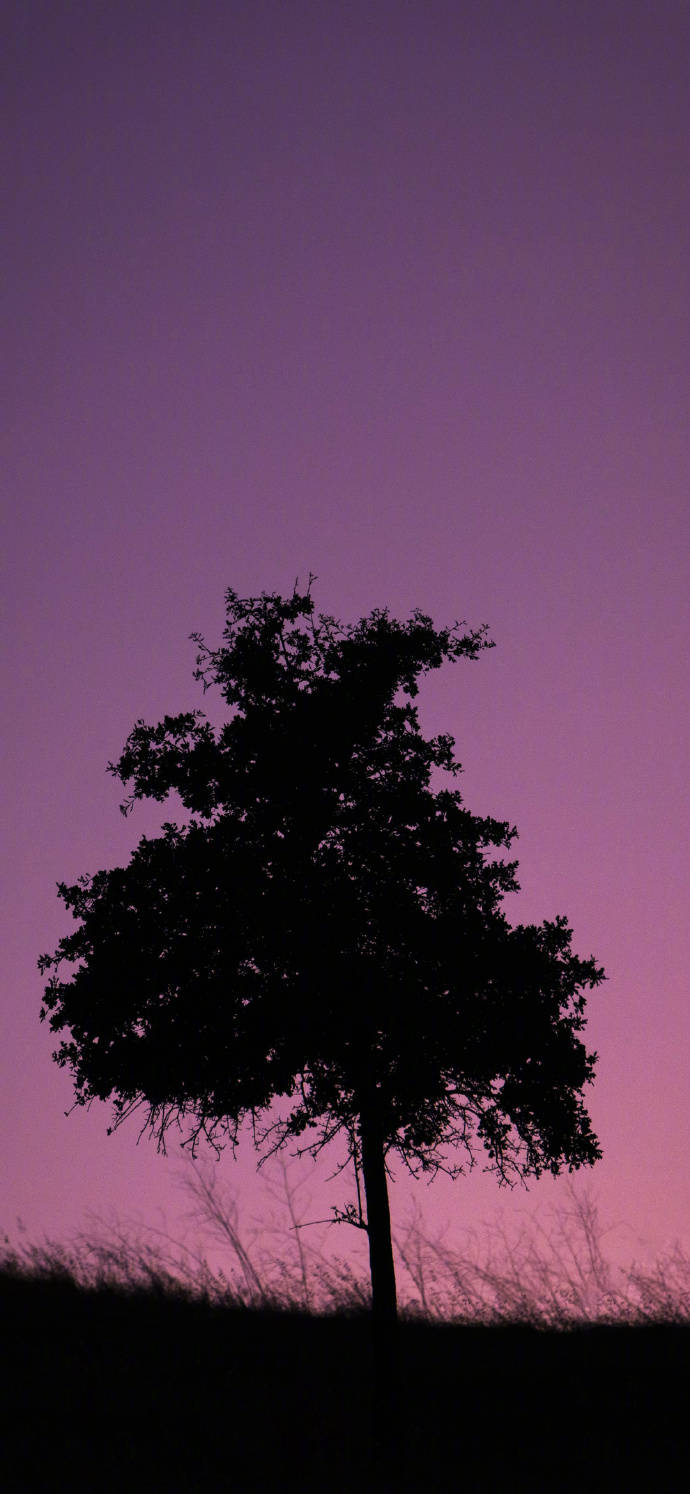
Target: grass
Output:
[(536, 1365)]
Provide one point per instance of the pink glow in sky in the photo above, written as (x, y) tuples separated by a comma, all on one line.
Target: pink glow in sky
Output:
[(396, 293)]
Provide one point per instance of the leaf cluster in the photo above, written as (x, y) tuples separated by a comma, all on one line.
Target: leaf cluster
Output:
[(327, 929)]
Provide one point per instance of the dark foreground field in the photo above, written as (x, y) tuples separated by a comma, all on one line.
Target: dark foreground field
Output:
[(114, 1390)]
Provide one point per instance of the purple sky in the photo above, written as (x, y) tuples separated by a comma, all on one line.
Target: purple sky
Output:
[(396, 292)]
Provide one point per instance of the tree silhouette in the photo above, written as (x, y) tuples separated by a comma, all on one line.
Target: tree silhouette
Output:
[(326, 930)]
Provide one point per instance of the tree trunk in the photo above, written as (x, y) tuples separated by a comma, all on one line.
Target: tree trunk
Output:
[(384, 1303), (386, 1426)]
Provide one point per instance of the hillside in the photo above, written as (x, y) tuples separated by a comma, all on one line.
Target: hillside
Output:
[(141, 1389)]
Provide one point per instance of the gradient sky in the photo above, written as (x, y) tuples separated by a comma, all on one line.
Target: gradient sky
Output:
[(396, 292)]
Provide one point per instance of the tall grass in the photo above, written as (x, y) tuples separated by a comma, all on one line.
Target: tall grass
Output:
[(548, 1271)]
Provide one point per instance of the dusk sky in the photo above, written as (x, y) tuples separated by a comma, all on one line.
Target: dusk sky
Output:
[(397, 293)]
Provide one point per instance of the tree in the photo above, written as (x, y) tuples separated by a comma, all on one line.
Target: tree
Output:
[(326, 929)]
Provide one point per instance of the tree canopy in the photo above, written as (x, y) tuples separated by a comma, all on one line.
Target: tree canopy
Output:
[(326, 931)]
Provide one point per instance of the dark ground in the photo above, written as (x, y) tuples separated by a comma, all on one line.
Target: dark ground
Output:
[(114, 1391)]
